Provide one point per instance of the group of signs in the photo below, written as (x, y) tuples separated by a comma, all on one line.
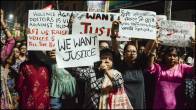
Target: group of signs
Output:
[(75, 34)]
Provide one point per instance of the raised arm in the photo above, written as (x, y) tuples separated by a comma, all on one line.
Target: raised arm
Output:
[(150, 51), (114, 35), (4, 27)]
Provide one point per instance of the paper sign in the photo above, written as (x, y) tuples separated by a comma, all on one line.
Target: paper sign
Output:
[(76, 50), (177, 33), (159, 18), (137, 24), (44, 25), (94, 22)]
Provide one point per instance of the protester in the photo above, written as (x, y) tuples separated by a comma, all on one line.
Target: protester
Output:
[(23, 52), (170, 75), (112, 83), (10, 41), (132, 68), (33, 84), (16, 60), (6, 99), (103, 44), (93, 84), (141, 49), (63, 85)]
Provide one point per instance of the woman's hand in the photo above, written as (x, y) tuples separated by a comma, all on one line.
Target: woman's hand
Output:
[(115, 28), (103, 67), (2, 14), (3, 25)]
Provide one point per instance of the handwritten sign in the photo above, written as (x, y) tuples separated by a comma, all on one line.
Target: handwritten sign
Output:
[(177, 33), (94, 22), (159, 18), (44, 25), (76, 50), (137, 24)]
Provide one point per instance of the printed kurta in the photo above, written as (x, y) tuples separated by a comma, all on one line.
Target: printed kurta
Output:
[(33, 87)]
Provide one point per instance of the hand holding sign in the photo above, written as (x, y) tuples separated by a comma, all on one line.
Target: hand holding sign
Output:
[(115, 29), (2, 15)]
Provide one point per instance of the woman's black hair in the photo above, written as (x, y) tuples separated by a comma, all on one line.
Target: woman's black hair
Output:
[(106, 50), (168, 50), (171, 49), (34, 58), (129, 43)]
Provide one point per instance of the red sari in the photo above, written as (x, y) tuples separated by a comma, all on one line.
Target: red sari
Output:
[(33, 87)]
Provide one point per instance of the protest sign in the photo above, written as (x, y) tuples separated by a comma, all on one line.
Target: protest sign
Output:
[(44, 25), (94, 22), (159, 18), (76, 50), (177, 33), (137, 24)]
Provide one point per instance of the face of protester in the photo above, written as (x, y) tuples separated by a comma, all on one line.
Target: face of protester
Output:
[(130, 53), (103, 45), (141, 49), (23, 49), (171, 58), (18, 44), (16, 52), (52, 54), (107, 61)]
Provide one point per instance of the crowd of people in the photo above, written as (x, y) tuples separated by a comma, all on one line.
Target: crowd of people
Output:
[(152, 76)]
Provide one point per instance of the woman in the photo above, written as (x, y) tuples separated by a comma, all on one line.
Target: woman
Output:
[(9, 43), (6, 50), (16, 60), (93, 81), (169, 79), (23, 52), (132, 68), (112, 83), (63, 84), (33, 84)]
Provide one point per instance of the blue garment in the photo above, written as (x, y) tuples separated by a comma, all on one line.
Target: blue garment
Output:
[(55, 103)]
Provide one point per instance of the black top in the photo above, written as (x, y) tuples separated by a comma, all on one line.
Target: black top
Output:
[(134, 81)]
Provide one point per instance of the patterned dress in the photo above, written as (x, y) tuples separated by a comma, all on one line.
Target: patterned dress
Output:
[(33, 87)]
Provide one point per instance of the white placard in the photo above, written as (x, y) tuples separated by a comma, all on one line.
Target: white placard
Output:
[(44, 25), (95, 22), (76, 50), (137, 24), (177, 33)]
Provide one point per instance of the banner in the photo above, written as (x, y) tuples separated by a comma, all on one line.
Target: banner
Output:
[(137, 24), (94, 22), (177, 33), (44, 26), (76, 50)]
